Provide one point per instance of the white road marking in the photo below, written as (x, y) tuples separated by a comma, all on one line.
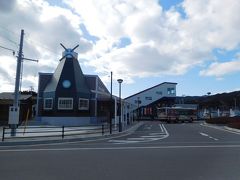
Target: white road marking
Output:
[(218, 128), (142, 139), (213, 138), (165, 130), (152, 134), (206, 135), (161, 127), (122, 141), (203, 134), (121, 148), (137, 138), (148, 138)]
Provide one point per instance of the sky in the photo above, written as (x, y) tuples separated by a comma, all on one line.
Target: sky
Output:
[(194, 43)]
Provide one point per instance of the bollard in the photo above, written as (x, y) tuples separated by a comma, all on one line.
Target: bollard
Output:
[(3, 135), (62, 132)]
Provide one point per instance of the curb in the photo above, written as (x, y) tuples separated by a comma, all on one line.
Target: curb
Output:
[(232, 129), (223, 128)]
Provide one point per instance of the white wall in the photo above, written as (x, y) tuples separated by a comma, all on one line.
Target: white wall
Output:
[(151, 95)]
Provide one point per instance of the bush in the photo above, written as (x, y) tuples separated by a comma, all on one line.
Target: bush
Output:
[(235, 125), (219, 120), (233, 122)]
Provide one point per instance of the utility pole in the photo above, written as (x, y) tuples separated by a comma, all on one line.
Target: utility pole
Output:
[(18, 72), (14, 110), (111, 107)]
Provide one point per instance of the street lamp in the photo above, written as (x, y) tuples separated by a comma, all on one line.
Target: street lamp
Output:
[(120, 107), (210, 112)]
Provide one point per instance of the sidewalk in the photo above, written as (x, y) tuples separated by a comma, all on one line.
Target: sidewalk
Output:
[(222, 127), (54, 135)]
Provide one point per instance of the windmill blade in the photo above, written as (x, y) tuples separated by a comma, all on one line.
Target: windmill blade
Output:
[(75, 48), (63, 57), (63, 46)]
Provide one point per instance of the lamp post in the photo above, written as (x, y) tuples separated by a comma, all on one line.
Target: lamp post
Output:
[(210, 112), (120, 103)]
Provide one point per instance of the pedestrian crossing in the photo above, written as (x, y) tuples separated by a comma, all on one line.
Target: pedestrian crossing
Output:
[(150, 136)]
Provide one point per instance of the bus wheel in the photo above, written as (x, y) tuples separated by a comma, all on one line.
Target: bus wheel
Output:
[(176, 120), (191, 120)]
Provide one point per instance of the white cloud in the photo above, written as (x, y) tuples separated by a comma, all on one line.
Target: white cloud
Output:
[(213, 23), (221, 69), (162, 42), (7, 73), (45, 27)]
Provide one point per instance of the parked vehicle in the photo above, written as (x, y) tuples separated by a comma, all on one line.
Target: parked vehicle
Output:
[(177, 114)]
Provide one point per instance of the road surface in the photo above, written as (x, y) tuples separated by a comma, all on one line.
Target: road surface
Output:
[(155, 151)]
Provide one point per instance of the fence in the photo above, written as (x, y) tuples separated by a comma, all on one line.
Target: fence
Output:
[(61, 132)]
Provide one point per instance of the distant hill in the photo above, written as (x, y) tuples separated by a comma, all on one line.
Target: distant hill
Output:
[(221, 101)]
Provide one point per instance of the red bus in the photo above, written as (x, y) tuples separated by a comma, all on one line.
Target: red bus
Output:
[(177, 114)]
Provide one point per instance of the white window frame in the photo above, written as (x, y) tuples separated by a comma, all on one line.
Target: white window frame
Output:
[(44, 104), (171, 91), (83, 108), (65, 108), (148, 98)]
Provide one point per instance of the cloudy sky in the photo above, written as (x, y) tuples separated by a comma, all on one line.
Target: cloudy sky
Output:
[(194, 43)]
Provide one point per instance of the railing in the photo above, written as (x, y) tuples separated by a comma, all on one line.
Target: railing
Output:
[(52, 131)]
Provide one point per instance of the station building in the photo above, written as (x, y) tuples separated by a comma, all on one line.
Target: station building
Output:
[(145, 103), (69, 97)]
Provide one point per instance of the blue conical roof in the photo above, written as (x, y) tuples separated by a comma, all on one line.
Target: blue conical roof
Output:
[(68, 70)]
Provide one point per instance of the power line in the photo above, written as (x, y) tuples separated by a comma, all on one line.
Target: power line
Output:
[(31, 41), (9, 31), (13, 51), (15, 43), (5, 29), (28, 39)]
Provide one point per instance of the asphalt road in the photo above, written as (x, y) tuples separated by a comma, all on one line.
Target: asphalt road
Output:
[(154, 151)]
